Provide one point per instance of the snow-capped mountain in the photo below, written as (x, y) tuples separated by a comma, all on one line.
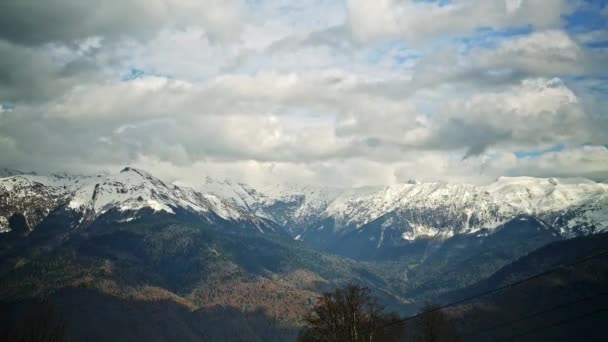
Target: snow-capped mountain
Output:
[(34, 196), (575, 206), (400, 213), (431, 209), (89, 197), (291, 206)]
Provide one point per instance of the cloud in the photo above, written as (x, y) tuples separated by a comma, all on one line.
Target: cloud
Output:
[(535, 112), (30, 74), (65, 21), (316, 91), (585, 161), (550, 52), (49, 47), (418, 20), (539, 53)]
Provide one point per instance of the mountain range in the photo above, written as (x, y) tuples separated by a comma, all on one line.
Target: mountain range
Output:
[(372, 218), (266, 251)]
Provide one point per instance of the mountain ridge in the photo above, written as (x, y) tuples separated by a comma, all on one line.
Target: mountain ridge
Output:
[(132, 234), (89, 197), (435, 210)]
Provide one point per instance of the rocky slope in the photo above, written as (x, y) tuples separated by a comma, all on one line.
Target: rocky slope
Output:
[(385, 216), (291, 206), (468, 208), (87, 198), (424, 210)]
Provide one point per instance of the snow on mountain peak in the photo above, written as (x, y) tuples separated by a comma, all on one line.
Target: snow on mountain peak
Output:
[(468, 207), (130, 190), (464, 207), (292, 206), (138, 172), (442, 209), (134, 189)]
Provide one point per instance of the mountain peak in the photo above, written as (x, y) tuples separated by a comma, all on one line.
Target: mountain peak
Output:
[(136, 171), (131, 169)]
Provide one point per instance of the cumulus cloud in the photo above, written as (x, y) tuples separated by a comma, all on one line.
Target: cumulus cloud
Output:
[(315, 91), (33, 23), (545, 52), (535, 112), (417, 20), (585, 161), (550, 52)]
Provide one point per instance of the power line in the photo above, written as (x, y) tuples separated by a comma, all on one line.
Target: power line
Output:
[(498, 289), (555, 324), (535, 314)]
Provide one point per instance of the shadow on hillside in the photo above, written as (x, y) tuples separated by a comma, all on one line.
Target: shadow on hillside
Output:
[(89, 315)]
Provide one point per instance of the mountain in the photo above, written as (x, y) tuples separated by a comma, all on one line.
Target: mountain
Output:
[(262, 254), (291, 206), (202, 278), (85, 199), (322, 216), (464, 259), (441, 226), (442, 235), (401, 214), (133, 236), (569, 303)]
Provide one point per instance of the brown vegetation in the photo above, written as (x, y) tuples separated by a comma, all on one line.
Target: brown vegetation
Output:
[(350, 314), (280, 300)]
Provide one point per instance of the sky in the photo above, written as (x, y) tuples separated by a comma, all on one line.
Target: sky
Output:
[(324, 92)]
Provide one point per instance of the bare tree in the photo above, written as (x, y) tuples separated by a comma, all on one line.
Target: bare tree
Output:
[(350, 314)]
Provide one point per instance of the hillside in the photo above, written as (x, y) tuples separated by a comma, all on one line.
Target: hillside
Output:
[(166, 258), (567, 304), (267, 253)]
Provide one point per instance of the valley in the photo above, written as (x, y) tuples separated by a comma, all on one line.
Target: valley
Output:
[(267, 253)]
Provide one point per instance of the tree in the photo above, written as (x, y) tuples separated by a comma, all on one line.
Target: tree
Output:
[(350, 314), (41, 325), (433, 325)]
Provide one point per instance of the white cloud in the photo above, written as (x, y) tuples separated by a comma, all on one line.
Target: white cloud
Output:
[(586, 161), (535, 112), (280, 90), (419, 20), (550, 52)]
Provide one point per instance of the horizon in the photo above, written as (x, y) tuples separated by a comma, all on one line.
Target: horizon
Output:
[(196, 183)]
